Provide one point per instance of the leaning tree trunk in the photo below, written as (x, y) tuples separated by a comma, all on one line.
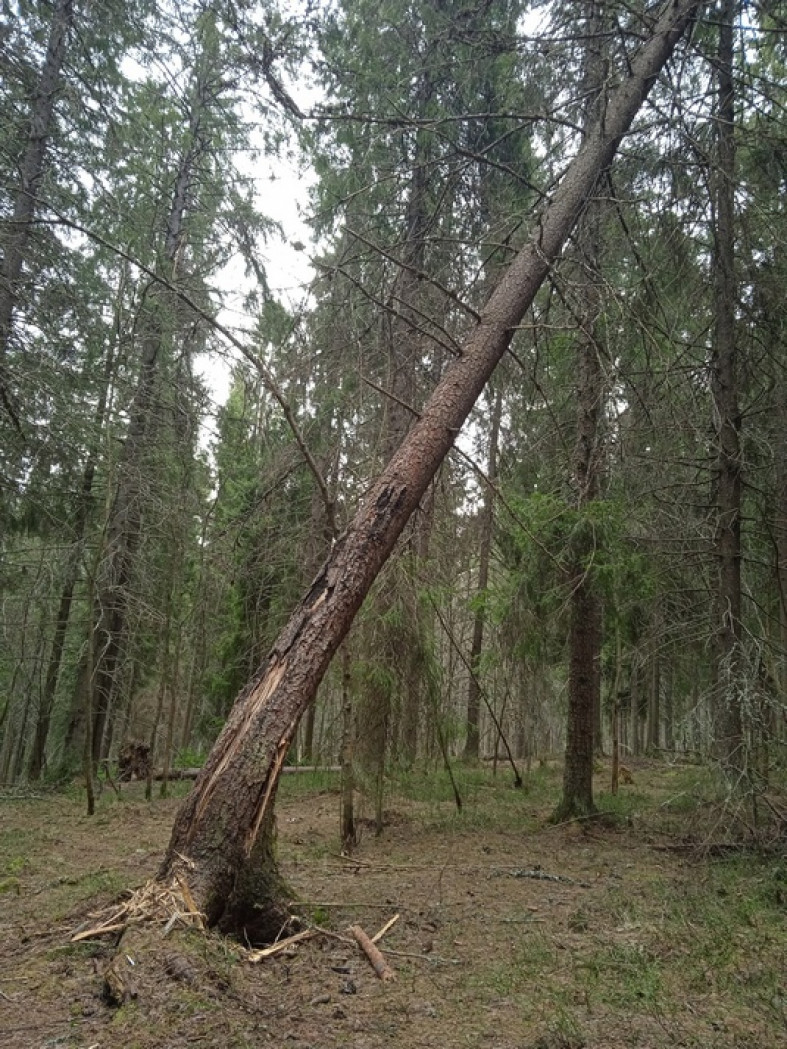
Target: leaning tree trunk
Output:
[(222, 840)]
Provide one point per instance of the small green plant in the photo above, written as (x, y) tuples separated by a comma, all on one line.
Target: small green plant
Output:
[(565, 1031), (320, 917), (313, 781), (189, 759), (15, 865), (578, 921), (632, 975)]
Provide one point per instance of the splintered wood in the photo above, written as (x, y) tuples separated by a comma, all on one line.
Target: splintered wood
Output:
[(164, 903), (280, 945)]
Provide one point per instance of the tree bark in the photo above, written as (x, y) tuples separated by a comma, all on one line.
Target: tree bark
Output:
[(347, 815), (583, 734), (73, 571), (124, 526), (727, 418), (123, 534), (654, 701), (222, 840), (486, 522)]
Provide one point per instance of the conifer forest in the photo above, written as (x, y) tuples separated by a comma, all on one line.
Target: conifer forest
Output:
[(386, 388)]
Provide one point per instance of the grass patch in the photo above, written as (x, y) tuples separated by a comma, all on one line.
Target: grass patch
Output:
[(625, 976), (625, 944), (305, 784), (489, 802)]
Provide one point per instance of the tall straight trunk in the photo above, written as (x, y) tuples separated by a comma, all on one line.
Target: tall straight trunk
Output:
[(324, 530), (669, 707), (585, 630), (124, 526), (19, 689), (776, 717), (635, 720), (169, 738), (222, 840), (28, 712), (726, 411), (654, 703), (471, 751), (407, 344), (615, 713), (163, 666), (31, 169), (584, 677), (73, 573), (123, 534), (347, 830)]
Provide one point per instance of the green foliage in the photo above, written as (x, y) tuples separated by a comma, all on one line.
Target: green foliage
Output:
[(381, 679), (187, 758), (429, 167), (303, 784), (488, 802)]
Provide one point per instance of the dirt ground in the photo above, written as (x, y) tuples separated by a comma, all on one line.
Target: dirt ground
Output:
[(511, 933)]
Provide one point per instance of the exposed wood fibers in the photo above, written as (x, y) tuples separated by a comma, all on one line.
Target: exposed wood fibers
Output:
[(266, 690), (167, 903), (273, 779)]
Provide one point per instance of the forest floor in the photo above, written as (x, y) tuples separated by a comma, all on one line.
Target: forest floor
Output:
[(512, 933)]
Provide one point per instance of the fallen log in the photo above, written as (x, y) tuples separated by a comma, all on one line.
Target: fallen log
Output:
[(373, 953), (193, 773)]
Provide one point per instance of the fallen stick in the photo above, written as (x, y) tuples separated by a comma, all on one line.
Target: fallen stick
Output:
[(280, 945), (100, 930), (436, 959), (389, 924), (378, 963)]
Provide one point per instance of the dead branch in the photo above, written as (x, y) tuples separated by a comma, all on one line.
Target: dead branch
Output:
[(388, 925), (375, 956), (280, 945)]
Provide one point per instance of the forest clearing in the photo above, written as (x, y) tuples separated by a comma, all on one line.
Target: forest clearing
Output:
[(512, 933)]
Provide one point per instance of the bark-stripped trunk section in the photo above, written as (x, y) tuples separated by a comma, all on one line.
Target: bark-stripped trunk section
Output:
[(223, 833)]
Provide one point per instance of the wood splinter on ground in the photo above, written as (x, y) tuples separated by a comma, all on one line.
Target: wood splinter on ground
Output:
[(280, 945), (367, 943), (155, 902), (372, 952)]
